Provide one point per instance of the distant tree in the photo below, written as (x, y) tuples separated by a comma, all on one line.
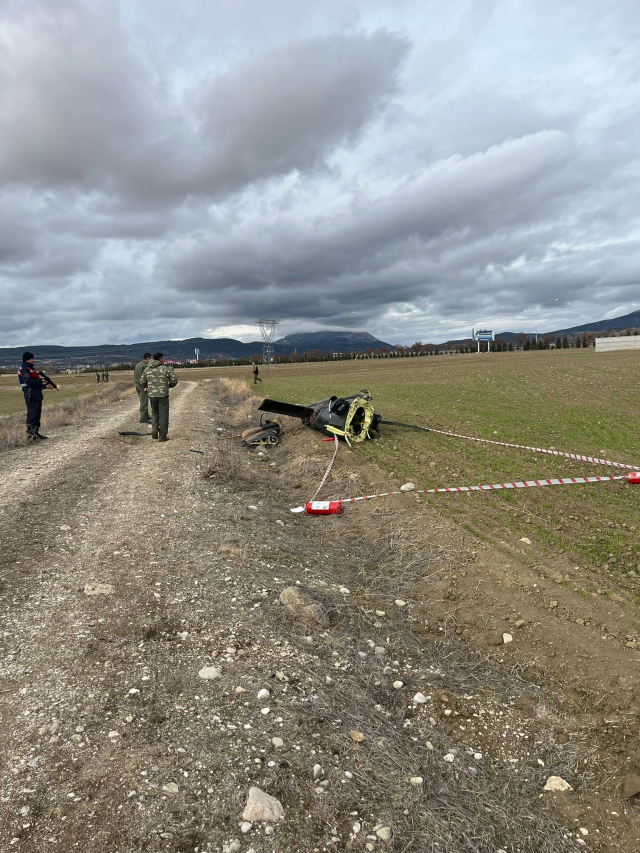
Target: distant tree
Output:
[(527, 346), (565, 343), (588, 340), (510, 347)]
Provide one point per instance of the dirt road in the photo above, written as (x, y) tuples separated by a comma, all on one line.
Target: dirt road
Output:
[(150, 675)]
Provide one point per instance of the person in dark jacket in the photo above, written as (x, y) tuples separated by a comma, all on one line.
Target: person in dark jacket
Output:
[(256, 378), (32, 387)]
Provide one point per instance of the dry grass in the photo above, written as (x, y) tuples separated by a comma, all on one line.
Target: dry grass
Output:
[(12, 427)]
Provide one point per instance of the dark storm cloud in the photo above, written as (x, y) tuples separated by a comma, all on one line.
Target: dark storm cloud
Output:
[(458, 201), (80, 109), (169, 173)]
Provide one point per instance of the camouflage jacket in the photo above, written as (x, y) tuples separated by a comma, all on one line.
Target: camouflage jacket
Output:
[(157, 378)]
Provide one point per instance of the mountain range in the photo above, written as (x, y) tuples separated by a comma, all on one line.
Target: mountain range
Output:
[(211, 348)]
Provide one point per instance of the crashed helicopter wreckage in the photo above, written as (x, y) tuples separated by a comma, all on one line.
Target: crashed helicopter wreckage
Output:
[(351, 418)]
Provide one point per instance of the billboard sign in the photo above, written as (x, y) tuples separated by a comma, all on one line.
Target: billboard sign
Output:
[(482, 334)]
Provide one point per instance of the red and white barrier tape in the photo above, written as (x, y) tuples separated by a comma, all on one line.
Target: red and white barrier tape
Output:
[(518, 484), (579, 457), (329, 466), (633, 477), (493, 487)]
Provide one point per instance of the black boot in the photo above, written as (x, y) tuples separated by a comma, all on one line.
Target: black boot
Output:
[(41, 437)]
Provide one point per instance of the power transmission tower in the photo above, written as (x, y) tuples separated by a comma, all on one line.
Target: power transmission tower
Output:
[(268, 331)]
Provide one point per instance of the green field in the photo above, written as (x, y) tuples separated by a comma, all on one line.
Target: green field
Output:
[(571, 400), (70, 387)]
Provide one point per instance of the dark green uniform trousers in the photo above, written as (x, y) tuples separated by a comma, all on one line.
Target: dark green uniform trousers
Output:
[(144, 404), (160, 415)]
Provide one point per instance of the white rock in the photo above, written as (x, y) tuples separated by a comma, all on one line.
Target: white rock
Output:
[(380, 613), (232, 847), (348, 774), (408, 487), (525, 540), (240, 690), (416, 781), (65, 527), (557, 783), (134, 691), (398, 684), (265, 711), (419, 698), (113, 735), (251, 506), (379, 650), (449, 758), (345, 591), (277, 742), (263, 694), (261, 806), (170, 788), (99, 589), (400, 603), (210, 673), (429, 746), (318, 772), (477, 756), (246, 826), (507, 638), (384, 833)]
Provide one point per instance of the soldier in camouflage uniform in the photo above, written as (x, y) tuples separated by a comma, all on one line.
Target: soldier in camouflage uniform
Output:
[(145, 418), (157, 378)]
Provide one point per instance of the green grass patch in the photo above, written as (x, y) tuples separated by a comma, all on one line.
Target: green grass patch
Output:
[(575, 400)]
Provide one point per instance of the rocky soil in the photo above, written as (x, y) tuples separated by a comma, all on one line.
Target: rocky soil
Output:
[(185, 666)]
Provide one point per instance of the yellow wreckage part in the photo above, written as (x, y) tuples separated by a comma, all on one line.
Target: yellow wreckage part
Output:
[(356, 428)]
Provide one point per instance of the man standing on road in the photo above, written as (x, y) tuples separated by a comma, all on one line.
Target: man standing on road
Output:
[(143, 396), (256, 378), (157, 377), (32, 387)]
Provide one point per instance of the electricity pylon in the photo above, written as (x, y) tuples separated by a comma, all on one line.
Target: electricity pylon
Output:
[(268, 331)]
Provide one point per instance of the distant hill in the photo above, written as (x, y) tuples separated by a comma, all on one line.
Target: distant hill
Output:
[(210, 348), (626, 321), (336, 341)]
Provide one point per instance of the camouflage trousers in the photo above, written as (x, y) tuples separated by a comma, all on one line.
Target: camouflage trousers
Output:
[(144, 404), (160, 415)]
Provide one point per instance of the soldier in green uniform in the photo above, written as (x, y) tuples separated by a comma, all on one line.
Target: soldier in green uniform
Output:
[(143, 396), (157, 378)]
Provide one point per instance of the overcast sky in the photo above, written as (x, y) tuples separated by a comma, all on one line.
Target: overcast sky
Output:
[(171, 169)]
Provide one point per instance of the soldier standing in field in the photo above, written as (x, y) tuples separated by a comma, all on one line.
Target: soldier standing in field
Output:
[(97, 376), (256, 370), (143, 396), (32, 387), (157, 378)]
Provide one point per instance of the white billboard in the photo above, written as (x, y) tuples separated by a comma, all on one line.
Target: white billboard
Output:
[(482, 334)]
